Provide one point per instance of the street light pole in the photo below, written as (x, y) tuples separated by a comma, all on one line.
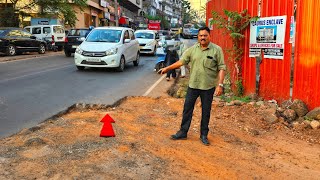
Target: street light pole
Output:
[(116, 12)]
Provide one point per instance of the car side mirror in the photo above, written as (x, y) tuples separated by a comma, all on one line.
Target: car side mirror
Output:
[(127, 40), (33, 37)]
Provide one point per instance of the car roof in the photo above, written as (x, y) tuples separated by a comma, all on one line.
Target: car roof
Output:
[(44, 25), (114, 27), (152, 31)]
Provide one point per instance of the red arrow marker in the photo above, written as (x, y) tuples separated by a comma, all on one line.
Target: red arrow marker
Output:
[(107, 130)]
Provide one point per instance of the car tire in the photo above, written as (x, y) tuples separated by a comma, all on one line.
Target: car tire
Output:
[(80, 68), (67, 53), (42, 49), (121, 64), (11, 50), (136, 62)]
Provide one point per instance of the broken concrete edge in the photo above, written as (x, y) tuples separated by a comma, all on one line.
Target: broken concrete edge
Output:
[(26, 57), (86, 106)]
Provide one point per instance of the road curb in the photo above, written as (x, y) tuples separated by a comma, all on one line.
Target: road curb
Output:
[(26, 57)]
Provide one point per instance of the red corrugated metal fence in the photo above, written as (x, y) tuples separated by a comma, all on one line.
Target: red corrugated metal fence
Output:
[(275, 74)]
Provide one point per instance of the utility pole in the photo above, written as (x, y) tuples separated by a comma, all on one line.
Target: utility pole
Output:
[(116, 12)]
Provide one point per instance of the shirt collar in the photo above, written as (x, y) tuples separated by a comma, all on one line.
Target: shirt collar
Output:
[(210, 46)]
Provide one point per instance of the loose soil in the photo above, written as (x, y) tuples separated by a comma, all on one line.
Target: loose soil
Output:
[(243, 145)]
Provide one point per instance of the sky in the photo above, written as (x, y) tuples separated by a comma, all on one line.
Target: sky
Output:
[(196, 4)]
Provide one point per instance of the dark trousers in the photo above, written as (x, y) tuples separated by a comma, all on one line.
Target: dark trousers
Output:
[(206, 102), (172, 72)]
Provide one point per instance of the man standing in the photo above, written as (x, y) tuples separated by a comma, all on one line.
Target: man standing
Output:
[(206, 79)]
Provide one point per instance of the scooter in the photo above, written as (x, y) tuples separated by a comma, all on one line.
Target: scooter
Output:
[(161, 59)]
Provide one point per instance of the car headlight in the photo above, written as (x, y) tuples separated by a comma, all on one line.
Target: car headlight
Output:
[(149, 43), (111, 51), (79, 50)]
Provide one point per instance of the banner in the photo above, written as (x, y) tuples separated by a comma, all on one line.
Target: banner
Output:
[(268, 34)]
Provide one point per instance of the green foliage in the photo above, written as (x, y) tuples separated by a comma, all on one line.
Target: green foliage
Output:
[(245, 99), (240, 88), (234, 24), (51, 9)]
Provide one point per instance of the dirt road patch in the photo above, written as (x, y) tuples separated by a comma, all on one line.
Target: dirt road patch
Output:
[(243, 146)]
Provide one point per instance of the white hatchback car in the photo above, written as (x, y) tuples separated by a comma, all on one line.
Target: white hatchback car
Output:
[(109, 47), (148, 41)]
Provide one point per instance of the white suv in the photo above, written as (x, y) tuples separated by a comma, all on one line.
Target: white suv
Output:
[(109, 47)]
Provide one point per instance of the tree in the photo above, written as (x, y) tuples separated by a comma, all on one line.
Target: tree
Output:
[(185, 8), (47, 8)]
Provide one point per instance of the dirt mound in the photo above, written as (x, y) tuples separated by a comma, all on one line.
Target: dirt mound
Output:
[(243, 146)]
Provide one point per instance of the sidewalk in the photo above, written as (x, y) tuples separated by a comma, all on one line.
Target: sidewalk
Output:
[(28, 55)]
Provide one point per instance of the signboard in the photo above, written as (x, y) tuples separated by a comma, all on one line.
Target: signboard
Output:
[(104, 3), (107, 15), (268, 34), (154, 26)]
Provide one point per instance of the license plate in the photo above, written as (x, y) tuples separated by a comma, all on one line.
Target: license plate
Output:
[(74, 46), (94, 60), (140, 47), (59, 38)]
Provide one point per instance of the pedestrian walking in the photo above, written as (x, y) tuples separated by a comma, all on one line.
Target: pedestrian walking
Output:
[(171, 58), (206, 80)]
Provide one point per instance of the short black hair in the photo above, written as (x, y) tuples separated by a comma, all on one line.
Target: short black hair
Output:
[(204, 28)]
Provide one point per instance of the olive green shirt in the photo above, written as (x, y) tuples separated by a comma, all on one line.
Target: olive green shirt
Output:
[(205, 65)]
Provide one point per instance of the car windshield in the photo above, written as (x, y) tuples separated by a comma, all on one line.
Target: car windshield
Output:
[(58, 29), (194, 30), (78, 32), (104, 35), (144, 35), (2, 32)]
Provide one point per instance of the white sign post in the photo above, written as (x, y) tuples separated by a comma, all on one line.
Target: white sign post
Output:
[(268, 34)]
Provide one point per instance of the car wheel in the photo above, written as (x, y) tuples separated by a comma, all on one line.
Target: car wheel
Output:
[(136, 62), (121, 64), (42, 49), (67, 53), (80, 68), (11, 50)]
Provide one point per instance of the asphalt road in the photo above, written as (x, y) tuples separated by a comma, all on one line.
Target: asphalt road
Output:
[(35, 89)]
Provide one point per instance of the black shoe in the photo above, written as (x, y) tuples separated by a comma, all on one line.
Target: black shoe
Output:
[(179, 136), (204, 140)]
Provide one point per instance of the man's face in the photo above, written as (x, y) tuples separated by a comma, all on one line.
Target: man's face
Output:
[(203, 37)]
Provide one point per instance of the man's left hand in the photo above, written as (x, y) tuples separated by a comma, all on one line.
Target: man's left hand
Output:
[(218, 91)]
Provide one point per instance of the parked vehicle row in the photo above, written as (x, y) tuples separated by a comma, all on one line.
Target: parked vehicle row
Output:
[(16, 41)]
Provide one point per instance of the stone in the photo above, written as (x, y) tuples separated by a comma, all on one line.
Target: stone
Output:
[(290, 115), (230, 103), (252, 103), (34, 142), (280, 109), (307, 122), (260, 103), (237, 102), (314, 114), (315, 124), (269, 115), (299, 107), (286, 104)]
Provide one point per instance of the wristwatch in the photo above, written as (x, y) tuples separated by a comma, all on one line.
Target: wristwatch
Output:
[(221, 85)]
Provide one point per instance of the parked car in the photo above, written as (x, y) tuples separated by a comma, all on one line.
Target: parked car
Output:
[(74, 38), (15, 40), (52, 33), (109, 47), (147, 41), (194, 32)]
